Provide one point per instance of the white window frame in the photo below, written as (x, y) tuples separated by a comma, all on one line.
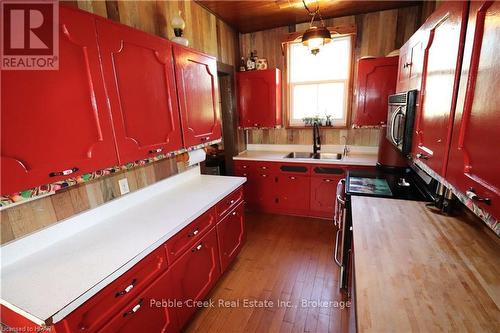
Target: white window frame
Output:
[(337, 123)]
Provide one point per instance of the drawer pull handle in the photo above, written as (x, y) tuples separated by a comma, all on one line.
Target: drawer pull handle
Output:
[(422, 156), (206, 138), (292, 177), (234, 213), (194, 232), (245, 174), (245, 166), (127, 289), (327, 180), (159, 150), (134, 309), (198, 248), (471, 193), (64, 172), (230, 202)]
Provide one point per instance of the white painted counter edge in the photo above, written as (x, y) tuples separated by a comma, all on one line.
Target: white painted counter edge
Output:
[(39, 240)]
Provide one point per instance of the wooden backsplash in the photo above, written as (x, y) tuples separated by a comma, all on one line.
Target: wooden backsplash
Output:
[(378, 34), (205, 33)]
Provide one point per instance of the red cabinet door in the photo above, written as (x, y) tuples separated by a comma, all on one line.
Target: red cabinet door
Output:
[(259, 98), (197, 87), (323, 192), (442, 61), (146, 313), (231, 235), (473, 160), (411, 56), (403, 68), (139, 77), (264, 191), (55, 124), (294, 193), (376, 80), (194, 274)]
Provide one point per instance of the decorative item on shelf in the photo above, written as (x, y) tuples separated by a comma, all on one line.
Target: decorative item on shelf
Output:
[(178, 25), (261, 64), (250, 64), (242, 65), (315, 37)]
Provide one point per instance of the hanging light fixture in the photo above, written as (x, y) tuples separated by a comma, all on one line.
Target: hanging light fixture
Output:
[(315, 37)]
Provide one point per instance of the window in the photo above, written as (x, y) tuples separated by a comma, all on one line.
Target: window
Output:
[(319, 84)]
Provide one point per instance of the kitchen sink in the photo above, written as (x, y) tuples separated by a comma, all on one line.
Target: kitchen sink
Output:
[(317, 156)]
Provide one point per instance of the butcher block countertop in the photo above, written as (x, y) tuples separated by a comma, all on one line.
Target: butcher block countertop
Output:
[(48, 274), (419, 271)]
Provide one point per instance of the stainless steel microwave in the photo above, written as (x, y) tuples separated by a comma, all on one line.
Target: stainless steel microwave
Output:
[(400, 119)]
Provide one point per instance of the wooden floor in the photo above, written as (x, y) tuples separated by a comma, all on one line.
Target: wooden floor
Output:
[(285, 259)]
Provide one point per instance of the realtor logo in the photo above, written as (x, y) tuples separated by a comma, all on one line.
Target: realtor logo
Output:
[(30, 35)]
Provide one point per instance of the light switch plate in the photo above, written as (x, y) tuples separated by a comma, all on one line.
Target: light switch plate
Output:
[(123, 183)]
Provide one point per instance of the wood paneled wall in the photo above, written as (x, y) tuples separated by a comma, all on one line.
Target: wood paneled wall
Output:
[(378, 34), (205, 33)]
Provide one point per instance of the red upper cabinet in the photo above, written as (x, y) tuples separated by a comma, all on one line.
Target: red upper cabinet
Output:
[(197, 88), (411, 58), (473, 164), (259, 98), (376, 80), (441, 70), (139, 76), (55, 124)]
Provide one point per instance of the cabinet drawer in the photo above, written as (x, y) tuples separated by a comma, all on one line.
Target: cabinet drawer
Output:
[(142, 314), (97, 310), (266, 167), (228, 203), (241, 167), (185, 238)]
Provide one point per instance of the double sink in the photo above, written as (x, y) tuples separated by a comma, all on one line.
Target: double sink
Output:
[(317, 156)]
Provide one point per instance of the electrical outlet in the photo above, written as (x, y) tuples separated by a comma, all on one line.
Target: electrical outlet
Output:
[(123, 183)]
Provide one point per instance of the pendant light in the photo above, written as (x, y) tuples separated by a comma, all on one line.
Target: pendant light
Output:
[(315, 37)]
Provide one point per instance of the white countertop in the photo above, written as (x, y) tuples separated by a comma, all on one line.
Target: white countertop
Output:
[(366, 156), (47, 275)]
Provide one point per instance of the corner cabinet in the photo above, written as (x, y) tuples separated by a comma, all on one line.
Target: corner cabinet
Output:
[(55, 123), (376, 80), (473, 164), (445, 31), (139, 77), (259, 98), (197, 88)]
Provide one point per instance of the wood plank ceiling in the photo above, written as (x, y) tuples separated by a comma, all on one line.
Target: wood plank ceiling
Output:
[(250, 16)]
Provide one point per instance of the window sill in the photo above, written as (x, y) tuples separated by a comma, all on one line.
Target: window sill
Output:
[(321, 127)]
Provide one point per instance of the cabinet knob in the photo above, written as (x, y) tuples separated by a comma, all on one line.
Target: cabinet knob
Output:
[(327, 180), (264, 176), (63, 172), (206, 138), (407, 64), (231, 202), (422, 156), (292, 177), (194, 232), (234, 213)]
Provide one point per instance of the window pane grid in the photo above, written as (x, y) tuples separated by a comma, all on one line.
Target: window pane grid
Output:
[(318, 86)]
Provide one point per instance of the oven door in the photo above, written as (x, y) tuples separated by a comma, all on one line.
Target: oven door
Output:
[(396, 125)]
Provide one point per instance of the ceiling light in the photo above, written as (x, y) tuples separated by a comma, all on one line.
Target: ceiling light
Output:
[(314, 38)]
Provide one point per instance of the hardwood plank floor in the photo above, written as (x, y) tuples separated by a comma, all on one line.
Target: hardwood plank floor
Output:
[(285, 259)]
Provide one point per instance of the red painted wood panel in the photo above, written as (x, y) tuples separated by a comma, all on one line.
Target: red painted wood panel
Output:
[(473, 160), (197, 88), (259, 98), (442, 61), (194, 274), (143, 314), (231, 235), (139, 76), (376, 80), (56, 122)]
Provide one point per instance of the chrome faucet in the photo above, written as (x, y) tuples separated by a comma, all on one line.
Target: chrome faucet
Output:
[(346, 147), (316, 138)]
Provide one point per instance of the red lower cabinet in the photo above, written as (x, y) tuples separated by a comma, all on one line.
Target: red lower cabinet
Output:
[(194, 274), (231, 235), (148, 312), (294, 193), (324, 182)]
